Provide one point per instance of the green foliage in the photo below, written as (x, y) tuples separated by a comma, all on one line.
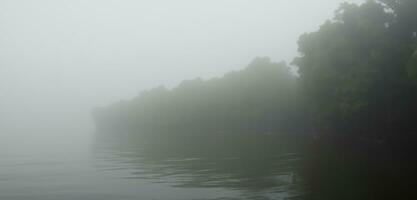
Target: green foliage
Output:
[(358, 73), (357, 83), (356, 70), (261, 98)]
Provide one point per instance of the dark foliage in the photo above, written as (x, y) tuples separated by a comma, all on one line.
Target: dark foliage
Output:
[(356, 93), (259, 99), (358, 73)]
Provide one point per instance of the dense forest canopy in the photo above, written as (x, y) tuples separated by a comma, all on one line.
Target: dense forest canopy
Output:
[(357, 74), (355, 91), (261, 98), (359, 69)]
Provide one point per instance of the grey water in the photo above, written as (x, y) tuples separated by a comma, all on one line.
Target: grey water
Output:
[(109, 169)]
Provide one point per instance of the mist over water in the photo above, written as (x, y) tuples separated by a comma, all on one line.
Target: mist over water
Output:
[(59, 60)]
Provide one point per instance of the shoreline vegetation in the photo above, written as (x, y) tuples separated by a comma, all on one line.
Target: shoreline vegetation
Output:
[(260, 99), (352, 103)]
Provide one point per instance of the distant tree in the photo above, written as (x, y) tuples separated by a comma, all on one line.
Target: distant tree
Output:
[(259, 99)]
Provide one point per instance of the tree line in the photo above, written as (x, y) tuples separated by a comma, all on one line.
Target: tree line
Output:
[(355, 92), (262, 98), (357, 74)]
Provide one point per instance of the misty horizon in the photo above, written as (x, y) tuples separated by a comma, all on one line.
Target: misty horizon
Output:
[(214, 99), (61, 59)]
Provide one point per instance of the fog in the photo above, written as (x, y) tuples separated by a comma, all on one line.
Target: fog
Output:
[(59, 59), (274, 115), (214, 99)]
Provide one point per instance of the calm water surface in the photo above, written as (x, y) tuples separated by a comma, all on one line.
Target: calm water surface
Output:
[(106, 169)]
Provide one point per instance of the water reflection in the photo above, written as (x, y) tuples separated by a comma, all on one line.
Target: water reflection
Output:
[(253, 167)]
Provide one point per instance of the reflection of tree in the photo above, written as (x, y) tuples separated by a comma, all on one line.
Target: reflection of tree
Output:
[(359, 72), (252, 164)]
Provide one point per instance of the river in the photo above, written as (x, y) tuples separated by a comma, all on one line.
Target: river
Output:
[(97, 168)]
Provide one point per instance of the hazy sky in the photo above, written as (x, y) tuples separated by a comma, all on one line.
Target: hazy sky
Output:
[(58, 56)]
